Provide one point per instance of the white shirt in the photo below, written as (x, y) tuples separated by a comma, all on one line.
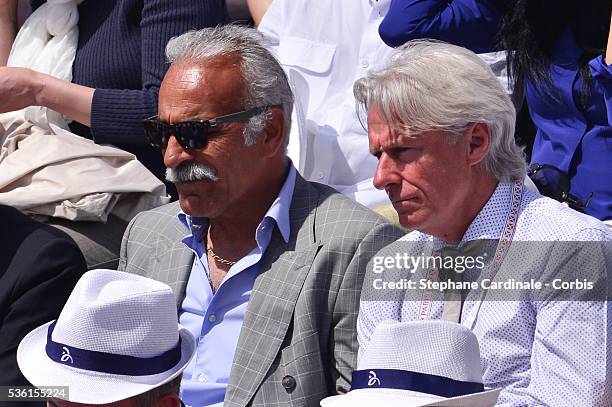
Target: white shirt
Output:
[(325, 46), (541, 351)]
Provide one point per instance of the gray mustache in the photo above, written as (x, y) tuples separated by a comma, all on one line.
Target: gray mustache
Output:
[(189, 172)]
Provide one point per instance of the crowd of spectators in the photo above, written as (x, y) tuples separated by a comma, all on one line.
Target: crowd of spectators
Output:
[(281, 131)]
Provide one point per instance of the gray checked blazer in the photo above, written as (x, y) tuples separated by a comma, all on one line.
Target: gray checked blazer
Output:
[(298, 342)]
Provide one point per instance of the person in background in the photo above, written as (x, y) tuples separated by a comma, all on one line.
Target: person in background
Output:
[(324, 46), (257, 9), (557, 55), (472, 24), (238, 11), (39, 266), (117, 70), (116, 75), (8, 29)]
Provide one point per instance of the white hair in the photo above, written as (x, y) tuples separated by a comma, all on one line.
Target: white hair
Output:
[(431, 85), (265, 81)]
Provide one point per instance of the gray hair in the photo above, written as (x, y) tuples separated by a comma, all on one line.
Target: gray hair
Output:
[(431, 85), (265, 81)]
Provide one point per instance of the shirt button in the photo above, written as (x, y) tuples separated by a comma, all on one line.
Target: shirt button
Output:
[(365, 63), (320, 175), (289, 383), (212, 318), (202, 378)]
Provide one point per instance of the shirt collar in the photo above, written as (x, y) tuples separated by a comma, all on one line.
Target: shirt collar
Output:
[(490, 221), (278, 212)]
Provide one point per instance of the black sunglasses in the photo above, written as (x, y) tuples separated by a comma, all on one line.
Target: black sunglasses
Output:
[(554, 183), (192, 134)]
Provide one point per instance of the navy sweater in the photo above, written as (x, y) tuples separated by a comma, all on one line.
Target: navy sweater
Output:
[(121, 54)]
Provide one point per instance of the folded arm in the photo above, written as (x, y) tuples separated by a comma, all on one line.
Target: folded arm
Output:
[(258, 8), (469, 23), (115, 115)]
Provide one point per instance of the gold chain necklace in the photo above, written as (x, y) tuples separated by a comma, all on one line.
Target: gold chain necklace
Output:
[(215, 255), (219, 258)]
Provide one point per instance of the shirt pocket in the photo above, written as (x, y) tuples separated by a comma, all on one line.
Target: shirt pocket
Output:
[(310, 63)]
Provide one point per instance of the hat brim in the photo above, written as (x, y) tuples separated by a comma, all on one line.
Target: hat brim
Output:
[(88, 387), (406, 398)]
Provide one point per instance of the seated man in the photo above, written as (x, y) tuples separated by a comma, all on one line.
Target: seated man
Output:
[(39, 266), (325, 46), (116, 343), (442, 127), (267, 267)]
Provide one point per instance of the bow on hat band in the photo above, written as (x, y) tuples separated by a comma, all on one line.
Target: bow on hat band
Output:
[(111, 363), (414, 381)]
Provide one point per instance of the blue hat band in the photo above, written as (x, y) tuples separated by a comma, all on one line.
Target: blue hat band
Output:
[(414, 381), (108, 362)]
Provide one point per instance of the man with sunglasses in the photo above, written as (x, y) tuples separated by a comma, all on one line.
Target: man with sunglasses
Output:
[(527, 274), (266, 266)]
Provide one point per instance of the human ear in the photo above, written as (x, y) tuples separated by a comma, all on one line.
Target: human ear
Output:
[(274, 132), (169, 400), (479, 138)]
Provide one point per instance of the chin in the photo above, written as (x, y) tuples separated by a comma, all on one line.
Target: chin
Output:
[(408, 224), (194, 205), (413, 221)]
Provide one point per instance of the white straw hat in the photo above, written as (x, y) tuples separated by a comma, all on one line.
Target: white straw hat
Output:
[(117, 336), (419, 363)]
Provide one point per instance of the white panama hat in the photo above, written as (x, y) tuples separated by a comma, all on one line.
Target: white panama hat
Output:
[(417, 364), (117, 336)]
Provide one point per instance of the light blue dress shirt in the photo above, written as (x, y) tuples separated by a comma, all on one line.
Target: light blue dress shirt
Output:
[(216, 319)]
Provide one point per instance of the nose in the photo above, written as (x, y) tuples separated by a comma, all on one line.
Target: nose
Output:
[(387, 172), (175, 154)]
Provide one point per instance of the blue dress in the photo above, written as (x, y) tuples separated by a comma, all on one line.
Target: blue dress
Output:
[(576, 137)]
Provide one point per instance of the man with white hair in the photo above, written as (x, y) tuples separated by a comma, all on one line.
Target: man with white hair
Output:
[(442, 129), (266, 266), (325, 46)]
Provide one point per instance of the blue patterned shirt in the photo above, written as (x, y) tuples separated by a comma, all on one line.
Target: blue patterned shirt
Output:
[(215, 320), (541, 352)]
